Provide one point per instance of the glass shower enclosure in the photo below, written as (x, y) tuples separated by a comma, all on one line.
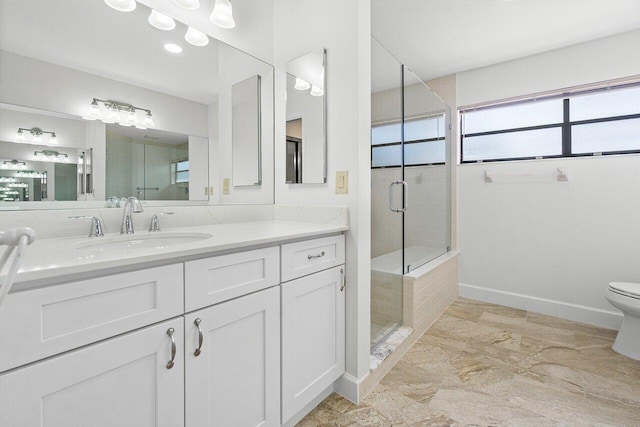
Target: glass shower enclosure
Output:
[(410, 184)]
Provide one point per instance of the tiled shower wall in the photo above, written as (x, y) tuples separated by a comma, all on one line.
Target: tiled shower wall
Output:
[(426, 220)]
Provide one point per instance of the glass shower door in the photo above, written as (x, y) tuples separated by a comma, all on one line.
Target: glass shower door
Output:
[(386, 169), (426, 173)]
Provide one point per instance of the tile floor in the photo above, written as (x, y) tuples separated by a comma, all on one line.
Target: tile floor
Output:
[(487, 365)]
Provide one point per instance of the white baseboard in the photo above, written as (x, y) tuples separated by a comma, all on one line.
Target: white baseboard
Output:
[(348, 387), (577, 313)]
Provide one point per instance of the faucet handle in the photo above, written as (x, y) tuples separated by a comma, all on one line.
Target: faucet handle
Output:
[(112, 202), (96, 225), (155, 224)]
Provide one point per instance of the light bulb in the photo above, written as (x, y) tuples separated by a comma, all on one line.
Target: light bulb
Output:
[(161, 21), (65, 159), (114, 113), (53, 139), (222, 14), (188, 4), (37, 137), (316, 91), (172, 47), (132, 116), (122, 5), (301, 84), (148, 119), (94, 109), (196, 38), (19, 135)]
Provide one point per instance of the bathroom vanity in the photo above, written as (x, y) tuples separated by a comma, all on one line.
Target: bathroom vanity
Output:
[(205, 333)]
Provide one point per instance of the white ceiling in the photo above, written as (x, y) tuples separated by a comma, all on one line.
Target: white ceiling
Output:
[(435, 38)]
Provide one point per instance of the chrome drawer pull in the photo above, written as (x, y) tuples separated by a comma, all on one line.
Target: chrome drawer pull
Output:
[(170, 332), (343, 279), (320, 255), (200, 338)]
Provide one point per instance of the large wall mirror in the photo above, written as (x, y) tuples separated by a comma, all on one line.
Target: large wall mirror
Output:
[(97, 103), (306, 135)]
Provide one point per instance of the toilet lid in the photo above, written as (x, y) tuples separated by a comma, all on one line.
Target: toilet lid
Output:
[(626, 288)]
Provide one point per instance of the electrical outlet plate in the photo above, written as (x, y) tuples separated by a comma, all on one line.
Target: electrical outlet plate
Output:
[(225, 186), (342, 182)]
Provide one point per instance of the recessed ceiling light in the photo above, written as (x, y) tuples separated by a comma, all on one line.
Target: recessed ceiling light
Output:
[(172, 47), (196, 38), (122, 5), (161, 21)]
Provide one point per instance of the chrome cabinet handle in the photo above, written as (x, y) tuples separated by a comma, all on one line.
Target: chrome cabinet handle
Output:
[(170, 332), (200, 338), (343, 280), (405, 194), (320, 255)]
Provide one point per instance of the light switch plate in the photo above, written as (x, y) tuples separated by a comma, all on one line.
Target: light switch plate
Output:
[(225, 186), (342, 182)]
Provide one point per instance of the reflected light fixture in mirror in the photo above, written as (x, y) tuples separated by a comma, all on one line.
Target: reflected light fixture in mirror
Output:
[(316, 91), (13, 165), (51, 156), (188, 4), (122, 5), (222, 14), (118, 112), (161, 21), (196, 38), (36, 135), (302, 84)]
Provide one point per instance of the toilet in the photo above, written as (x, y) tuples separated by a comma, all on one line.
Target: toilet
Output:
[(625, 296)]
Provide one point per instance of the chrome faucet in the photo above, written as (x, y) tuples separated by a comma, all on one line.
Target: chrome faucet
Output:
[(96, 225), (155, 224), (131, 205)]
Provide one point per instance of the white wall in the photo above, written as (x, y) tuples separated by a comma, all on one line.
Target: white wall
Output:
[(344, 29), (540, 244)]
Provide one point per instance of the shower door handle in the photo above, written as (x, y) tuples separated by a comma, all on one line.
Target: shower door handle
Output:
[(405, 196)]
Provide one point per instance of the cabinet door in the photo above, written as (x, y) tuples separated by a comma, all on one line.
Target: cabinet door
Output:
[(235, 379), (121, 382), (313, 334)]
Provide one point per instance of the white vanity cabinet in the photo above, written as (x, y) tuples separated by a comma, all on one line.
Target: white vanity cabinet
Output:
[(234, 378), (124, 381), (253, 337), (313, 322)]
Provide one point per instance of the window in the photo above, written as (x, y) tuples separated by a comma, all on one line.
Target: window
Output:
[(180, 171), (588, 122), (424, 140)]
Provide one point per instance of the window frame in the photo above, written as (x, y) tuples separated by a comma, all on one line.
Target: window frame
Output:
[(566, 124), (413, 141)]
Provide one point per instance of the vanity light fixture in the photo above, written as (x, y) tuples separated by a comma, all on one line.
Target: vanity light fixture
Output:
[(188, 4), (172, 47), (301, 84), (36, 135), (50, 155), (222, 14), (17, 185), (196, 38), (31, 174), (316, 91), (7, 179), (108, 111), (13, 165), (161, 21), (122, 5)]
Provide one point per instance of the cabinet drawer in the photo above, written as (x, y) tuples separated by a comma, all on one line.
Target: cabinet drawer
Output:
[(58, 318), (302, 258), (212, 280)]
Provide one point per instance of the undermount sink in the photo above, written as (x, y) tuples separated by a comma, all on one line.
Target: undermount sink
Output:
[(132, 242)]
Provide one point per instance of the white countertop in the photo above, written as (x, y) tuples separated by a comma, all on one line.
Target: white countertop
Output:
[(57, 260)]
